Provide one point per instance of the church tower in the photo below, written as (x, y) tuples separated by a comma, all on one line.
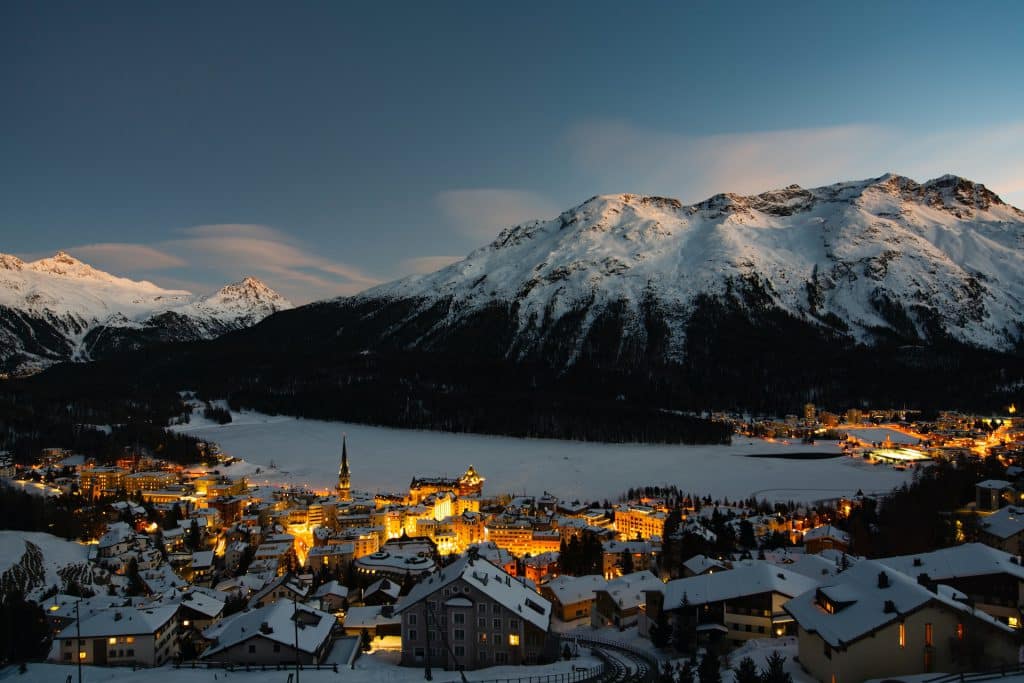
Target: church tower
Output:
[(344, 482)]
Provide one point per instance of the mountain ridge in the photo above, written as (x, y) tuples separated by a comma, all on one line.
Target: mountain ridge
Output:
[(60, 308), (847, 256)]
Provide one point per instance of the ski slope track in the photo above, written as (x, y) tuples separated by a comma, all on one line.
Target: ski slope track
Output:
[(59, 309), (866, 260)]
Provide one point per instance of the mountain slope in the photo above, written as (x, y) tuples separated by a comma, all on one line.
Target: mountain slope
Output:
[(59, 308), (873, 260)]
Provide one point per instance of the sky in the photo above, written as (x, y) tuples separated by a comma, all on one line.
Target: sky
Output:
[(325, 147)]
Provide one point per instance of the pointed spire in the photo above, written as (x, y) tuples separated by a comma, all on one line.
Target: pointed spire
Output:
[(344, 455), (344, 479)]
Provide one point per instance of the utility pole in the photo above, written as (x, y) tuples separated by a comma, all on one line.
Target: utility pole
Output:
[(78, 639), (295, 618)]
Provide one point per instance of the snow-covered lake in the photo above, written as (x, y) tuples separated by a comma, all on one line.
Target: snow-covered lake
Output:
[(385, 459)]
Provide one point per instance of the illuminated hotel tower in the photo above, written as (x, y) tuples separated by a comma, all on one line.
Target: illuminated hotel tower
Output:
[(344, 482)]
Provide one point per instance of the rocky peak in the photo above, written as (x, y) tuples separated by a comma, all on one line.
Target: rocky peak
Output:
[(11, 262), (65, 265)]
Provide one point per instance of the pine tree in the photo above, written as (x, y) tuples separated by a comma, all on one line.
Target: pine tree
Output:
[(775, 673), (709, 669), (747, 671)]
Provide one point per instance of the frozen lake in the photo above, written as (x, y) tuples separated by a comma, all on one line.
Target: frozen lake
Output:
[(385, 459)]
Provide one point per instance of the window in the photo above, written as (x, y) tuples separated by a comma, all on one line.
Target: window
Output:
[(959, 631), (112, 654), (459, 618), (497, 638), (482, 608), (431, 605), (513, 624), (112, 641), (252, 649), (497, 624), (412, 619), (431, 635), (501, 658), (927, 635), (447, 592), (418, 653), (903, 635), (460, 651), (131, 652), (495, 608), (483, 637), (67, 656), (513, 639), (481, 622), (460, 634), (412, 636)]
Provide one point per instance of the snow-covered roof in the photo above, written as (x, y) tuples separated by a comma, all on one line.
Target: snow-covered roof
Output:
[(994, 484), (116, 533), (121, 621), (1004, 523), (275, 622), (389, 588), (572, 589), (861, 607), (371, 616), (203, 602), (493, 582), (331, 588), (969, 559), (698, 564), (202, 559), (630, 590), (753, 579), (827, 531)]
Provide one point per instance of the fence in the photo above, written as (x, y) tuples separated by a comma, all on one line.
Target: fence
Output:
[(987, 675)]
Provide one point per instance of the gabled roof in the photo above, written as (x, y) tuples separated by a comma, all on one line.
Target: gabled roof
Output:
[(630, 590), (969, 559), (1004, 523), (492, 581), (331, 588), (861, 606), (275, 622), (572, 589), (122, 621), (203, 602), (753, 579), (827, 531), (994, 484), (698, 564)]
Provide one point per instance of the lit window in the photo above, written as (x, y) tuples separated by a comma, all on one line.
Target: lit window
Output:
[(186, 622), (513, 639), (903, 635), (112, 640), (81, 654), (1014, 622), (959, 631), (927, 635)]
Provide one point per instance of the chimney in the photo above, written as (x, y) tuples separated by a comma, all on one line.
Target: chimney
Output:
[(917, 561), (926, 581), (889, 607), (883, 580)]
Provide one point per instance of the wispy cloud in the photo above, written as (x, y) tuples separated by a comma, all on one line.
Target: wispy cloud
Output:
[(623, 157), (120, 257), (298, 271), (426, 264), (481, 214)]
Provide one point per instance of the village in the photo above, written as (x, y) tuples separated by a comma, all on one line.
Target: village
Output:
[(192, 567)]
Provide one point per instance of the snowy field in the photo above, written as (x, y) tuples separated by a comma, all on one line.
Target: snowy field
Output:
[(368, 669), (384, 459)]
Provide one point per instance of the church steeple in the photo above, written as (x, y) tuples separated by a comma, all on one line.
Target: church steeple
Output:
[(344, 481)]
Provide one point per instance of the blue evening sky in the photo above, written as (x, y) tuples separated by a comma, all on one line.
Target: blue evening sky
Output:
[(327, 146)]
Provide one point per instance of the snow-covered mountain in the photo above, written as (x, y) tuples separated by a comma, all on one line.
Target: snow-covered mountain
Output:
[(885, 258), (60, 308)]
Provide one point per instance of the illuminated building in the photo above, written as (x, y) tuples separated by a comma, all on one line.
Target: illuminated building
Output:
[(469, 484), (639, 521), (149, 481), (101, 481)]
